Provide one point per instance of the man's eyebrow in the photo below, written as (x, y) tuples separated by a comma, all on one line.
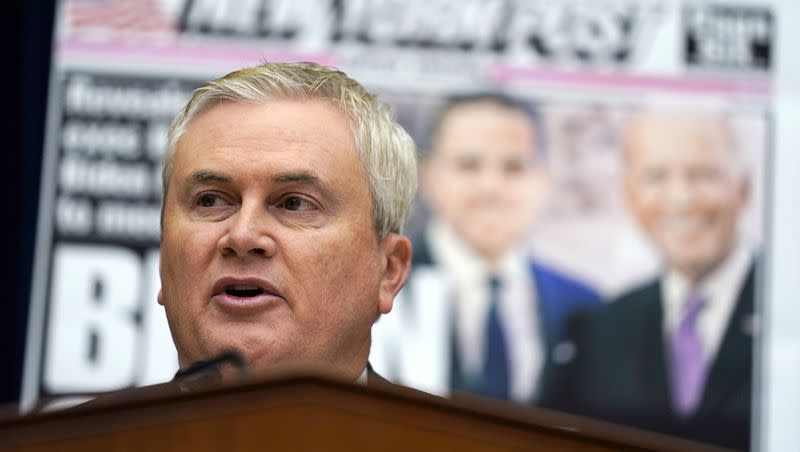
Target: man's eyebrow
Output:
[(204, 176), (306, 177)]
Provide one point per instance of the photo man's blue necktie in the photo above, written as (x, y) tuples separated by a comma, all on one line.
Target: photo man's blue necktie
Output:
[(496, 366)]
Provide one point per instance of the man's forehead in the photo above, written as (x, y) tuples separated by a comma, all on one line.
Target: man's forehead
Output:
[(294, 134), (486, 113), (265, 117), (677, 124), (671, 133), (485, 129)]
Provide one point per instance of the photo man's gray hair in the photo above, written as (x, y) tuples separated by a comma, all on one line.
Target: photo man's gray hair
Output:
[(387, 152)]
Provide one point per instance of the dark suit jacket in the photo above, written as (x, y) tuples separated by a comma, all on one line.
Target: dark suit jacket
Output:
[(618, 370), (557, 297)]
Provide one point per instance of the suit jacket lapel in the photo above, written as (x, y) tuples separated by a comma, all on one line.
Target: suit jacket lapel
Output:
[(422, 252), (374, 379), (423, 256), (545, 317), (732, 367), (651, 351)]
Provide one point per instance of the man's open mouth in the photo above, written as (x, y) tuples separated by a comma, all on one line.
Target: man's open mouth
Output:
[(243, 290)]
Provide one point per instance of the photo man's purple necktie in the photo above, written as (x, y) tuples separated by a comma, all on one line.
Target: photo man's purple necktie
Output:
[(688, 366)]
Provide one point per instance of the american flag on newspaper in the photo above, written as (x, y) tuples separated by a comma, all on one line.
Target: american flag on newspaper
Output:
[(117, 15)]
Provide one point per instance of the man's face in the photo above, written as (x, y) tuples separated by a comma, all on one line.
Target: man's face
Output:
[(268, 245), (481, 177), (686, 186)]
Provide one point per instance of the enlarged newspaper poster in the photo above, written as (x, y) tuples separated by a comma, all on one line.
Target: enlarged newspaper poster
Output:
[(573, 155)]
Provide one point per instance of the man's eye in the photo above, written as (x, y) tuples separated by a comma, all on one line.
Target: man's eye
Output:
[(513, 166), (296, 203), (207, 200), (468, 164), (654, 176), (703, 174)]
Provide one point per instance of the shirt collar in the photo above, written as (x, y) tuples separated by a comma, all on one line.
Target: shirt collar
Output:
[(462, 261), (720, 287), (362, 379)]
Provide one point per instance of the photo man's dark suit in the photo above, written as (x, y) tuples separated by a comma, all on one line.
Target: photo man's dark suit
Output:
[(558, 297), (613, 366)]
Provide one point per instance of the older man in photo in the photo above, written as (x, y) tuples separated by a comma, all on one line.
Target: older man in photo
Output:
[(675, 354)]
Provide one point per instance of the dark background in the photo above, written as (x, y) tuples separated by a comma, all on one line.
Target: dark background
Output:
[(27, 28)]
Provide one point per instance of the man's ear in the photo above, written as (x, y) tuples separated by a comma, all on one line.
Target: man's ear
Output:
[(629, 191), (745, 189), (542, 184), (427, 178), (397, 251), (160, 296)]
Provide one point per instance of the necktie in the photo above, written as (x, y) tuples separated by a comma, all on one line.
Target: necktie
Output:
[(495, 367), (688, 366)]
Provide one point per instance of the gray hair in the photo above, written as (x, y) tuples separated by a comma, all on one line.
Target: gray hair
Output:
[(387, 152)]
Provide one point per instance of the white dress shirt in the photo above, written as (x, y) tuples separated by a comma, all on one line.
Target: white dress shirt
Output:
[(517, 308), (720, 291)]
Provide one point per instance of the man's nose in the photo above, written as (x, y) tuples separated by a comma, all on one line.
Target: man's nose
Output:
[(680, 192), (249, 233), (490, 178)]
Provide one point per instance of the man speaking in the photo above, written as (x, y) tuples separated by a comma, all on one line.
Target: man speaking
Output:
[(286, 187)]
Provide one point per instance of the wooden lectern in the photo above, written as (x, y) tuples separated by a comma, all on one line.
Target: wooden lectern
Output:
[(311, 413)]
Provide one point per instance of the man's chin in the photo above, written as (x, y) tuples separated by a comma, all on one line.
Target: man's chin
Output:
[(497, 248), (480, 242), (695, 268)]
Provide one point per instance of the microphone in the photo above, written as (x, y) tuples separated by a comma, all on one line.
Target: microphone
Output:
[(203, 372)]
